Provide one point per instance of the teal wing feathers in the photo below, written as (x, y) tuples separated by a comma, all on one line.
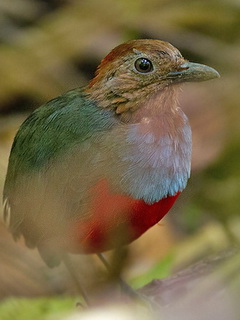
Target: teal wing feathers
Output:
[(53, 143), (53, 129)]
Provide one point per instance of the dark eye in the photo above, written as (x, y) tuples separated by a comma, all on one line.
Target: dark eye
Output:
[(143, 65)]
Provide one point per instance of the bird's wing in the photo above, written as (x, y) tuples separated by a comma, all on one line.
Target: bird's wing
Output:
[(51, 166)]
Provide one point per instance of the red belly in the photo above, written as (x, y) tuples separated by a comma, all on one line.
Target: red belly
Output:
[(116, 219)]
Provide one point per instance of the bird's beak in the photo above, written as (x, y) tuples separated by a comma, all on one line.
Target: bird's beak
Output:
[(193, 72)]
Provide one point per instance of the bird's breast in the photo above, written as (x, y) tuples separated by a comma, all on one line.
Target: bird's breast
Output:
[(155, 157)]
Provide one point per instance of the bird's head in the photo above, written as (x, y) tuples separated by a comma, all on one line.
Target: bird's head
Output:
[(138, 69)]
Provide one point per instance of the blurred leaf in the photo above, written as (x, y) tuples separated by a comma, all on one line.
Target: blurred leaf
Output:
[(161, 270), (36, 309)]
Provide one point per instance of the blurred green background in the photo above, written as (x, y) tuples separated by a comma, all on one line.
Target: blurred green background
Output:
[(50, 46)]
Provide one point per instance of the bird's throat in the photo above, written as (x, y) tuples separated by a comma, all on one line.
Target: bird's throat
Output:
[(154, 106)]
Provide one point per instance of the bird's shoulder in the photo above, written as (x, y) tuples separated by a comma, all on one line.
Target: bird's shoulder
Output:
[(53, 129)]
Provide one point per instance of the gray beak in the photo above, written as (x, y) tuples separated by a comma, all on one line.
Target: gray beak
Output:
[(193, 72)]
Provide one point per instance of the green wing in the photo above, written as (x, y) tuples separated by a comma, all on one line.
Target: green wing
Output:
[(53, 129), (50, 159)]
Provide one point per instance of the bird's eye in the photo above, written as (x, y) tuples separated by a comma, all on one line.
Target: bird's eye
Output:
[(143, 65)]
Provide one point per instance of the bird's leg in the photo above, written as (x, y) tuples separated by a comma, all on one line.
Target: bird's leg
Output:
[(124, 286), (68, 263)]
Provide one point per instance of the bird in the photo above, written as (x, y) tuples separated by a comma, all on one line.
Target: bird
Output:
[(96, 167)]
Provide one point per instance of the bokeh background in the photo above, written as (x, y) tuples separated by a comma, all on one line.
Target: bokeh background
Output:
[(50, 46)]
